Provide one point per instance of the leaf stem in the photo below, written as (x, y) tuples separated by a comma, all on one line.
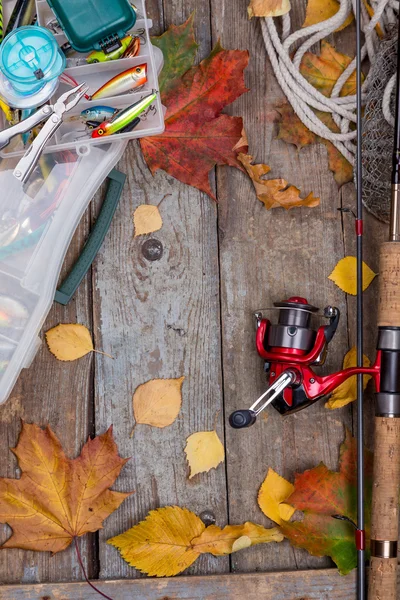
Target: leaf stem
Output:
[(162, 200), (133, 430), (80, 561), (103, 353)]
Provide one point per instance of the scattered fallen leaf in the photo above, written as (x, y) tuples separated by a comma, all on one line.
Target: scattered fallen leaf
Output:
[(179, 49), (268, 8), (242, 143), (323, 70), (274, 492), (70, 341), (158, 402), (57, 499), (321, 10), (170, 539), (233, 538), (345, 275), (197, 136), (347, 391), (321, 494), (293, 131), (371, 13), (147, 219), (204, 451), (275, 193)]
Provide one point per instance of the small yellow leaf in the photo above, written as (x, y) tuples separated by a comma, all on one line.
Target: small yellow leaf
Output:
[(347, 391), (204, 451), (161, 544), (158, 402), (345, 275), (274, 193), (268, 8), (147, 219), (69, 342), (272, 495), (233, 538), (321, 10)]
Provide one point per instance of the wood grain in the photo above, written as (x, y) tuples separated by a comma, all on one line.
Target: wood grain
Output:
[(301, 585)]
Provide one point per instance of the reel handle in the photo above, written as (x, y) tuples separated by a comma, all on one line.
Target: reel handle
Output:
[(242, 418)]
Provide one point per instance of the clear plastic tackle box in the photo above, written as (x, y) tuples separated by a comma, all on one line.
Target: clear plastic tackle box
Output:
[(38, 220)]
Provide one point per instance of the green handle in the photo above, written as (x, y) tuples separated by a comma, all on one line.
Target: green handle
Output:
[(95, 239)]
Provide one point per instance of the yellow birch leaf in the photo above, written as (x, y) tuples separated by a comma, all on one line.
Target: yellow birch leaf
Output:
[(204, 451), (268, 8), (161, 544), (345, 275), (158, 402), (69, 341), (147, 219), (321, 10), (275, 193), (347, 391), (272, 495), (233, 538)]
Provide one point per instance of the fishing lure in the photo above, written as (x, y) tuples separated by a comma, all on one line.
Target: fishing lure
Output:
[(133, 49), (99, 56), (8, 112), (12, 313), (125, 82), (98, 114), (23, 14), (124, 118)]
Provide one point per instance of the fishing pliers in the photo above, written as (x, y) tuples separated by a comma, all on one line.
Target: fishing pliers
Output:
[(53, 115)]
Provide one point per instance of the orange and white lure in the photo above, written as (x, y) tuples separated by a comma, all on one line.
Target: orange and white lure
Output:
[(123, 83)]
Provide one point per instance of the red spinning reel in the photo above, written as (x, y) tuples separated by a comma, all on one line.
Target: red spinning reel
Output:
[(290, 350)]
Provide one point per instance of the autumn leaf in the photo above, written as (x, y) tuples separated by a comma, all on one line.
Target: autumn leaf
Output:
[(179, 49), (321, 494), (147, 219), (345, 275), (275, 193), (170, 539), (292, 131), (346, 392), (274, 492), (70, 341), (268, 8), (321, 10), (158, 402), (58, 499), (204, 451), (197, 136)]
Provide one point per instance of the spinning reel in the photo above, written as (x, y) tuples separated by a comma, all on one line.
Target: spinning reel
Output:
[(290, 350)]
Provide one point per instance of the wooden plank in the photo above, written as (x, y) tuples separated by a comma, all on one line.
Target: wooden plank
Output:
[(160, 319), (311, 585), (59, 394), (267, 257)]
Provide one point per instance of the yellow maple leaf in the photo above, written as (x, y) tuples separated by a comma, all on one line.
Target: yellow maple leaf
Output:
[(147, 219), (323, 70), (158, 402), (233, 538), (70, 341), (347, 391), (272, 495), (345, 275), (204, 451), (170, 539), (321, 10), (275, 192), (58, 499), (268, 8)]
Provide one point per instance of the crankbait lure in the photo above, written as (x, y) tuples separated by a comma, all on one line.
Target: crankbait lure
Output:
[(124, 82), (123, 119), (133, 49), (8, 112), (98, 114), (100, 56)]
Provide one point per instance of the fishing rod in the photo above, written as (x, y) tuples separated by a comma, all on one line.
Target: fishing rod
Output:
[(386, 475)]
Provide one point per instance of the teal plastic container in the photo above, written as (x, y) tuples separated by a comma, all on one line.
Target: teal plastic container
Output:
[(94, 24)]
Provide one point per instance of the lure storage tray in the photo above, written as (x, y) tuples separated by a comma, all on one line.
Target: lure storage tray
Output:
[(73, 132)]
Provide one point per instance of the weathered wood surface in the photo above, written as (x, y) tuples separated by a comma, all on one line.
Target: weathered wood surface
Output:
[(323, 584), (190, 313)]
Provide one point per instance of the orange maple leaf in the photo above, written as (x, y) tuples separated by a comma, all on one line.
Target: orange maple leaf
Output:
[(58, 499)]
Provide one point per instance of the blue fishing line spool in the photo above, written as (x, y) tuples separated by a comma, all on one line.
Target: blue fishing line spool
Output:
[(30, 63)]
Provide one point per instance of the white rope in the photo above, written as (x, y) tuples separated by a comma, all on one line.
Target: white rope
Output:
[(304, 97)]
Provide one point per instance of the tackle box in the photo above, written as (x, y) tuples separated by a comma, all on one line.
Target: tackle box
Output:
[(38, 220)]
